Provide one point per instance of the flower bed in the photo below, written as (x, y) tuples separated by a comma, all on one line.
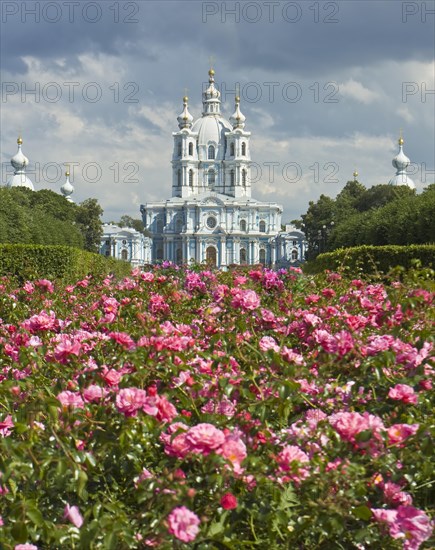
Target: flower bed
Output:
[(246, 409)]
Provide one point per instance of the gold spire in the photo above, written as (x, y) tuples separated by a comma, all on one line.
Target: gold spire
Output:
[(355, 175), (401, 137), (19, 140), (237, 98)]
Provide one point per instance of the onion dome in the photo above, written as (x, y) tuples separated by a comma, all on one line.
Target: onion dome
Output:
[(19, 162), (401, 163), (238, 118), (67, 188), (211, 97), (185, 119)]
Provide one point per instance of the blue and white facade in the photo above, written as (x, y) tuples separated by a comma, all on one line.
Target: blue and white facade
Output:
[(212, 216), (125, 243)]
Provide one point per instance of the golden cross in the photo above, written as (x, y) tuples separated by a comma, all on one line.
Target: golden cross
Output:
[(211, 61)]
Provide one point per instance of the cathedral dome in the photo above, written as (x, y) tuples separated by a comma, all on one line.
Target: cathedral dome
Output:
[(19, 162), (401, 163), (211, 129)]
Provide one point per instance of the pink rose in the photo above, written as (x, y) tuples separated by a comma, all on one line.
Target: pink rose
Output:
[(183, 524), (72, 514), (204, 438), (404, 393)]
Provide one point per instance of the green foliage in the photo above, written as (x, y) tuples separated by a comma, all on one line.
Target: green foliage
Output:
[(89, 220), (381, 215), (44, 217), (374, 259), (28, 262)]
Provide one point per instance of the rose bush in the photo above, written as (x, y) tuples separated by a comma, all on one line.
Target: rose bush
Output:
[(192, 408)]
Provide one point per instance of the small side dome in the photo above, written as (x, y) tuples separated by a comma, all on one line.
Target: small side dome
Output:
[(19, 162), (238, 119), (67, 188), (401, 163), (185, 119)]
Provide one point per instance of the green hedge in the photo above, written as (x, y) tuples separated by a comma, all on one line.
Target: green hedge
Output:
[(26, 262), (372, 259)]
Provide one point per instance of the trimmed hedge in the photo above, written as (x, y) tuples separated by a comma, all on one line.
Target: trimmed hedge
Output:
[(373, 259), (26, 262)]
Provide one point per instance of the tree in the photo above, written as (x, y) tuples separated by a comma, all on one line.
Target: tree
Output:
[(88, 219)]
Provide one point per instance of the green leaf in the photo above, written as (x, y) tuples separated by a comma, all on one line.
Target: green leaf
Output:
[(19, 532), (362, 512)]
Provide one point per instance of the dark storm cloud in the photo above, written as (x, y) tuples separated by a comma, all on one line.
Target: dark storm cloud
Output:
[(303, 37)]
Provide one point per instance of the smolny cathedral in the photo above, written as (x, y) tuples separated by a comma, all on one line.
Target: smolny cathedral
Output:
[(211, 217)]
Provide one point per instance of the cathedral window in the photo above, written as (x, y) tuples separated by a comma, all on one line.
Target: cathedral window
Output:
[(211, 178), (294, 255), (179, 149), (244, 178), (191, 178), (232, 149), (242, 225), (262, 226), (159, 226), (243, 149), (232, 177), (179, 256), (124, 255), (243, 256), (159, 254), (262, 256), (179, 178), (191, 149), (211, 152)]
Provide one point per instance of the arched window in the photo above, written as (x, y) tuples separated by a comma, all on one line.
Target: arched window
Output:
[(243, 256), (232, 177), (243, 149), (124, 254), (262, 226), (242, 225), (179, 178), (179, 224), (294, 255), (179, 149), (179, 256), (159, 226), (211, 256), (232, 149), (262, 256), (159, 254), (190, 148), (211, 152), (211, 178), (244, 178), (191, 178)]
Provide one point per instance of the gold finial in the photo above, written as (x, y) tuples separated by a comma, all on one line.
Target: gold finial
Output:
[(185, 99), (67, 171), (19, 140), (355, 174), (237, 93), (211, 72), (401, 137)]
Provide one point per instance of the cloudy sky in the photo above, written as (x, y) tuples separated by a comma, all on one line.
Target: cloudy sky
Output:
[(325, 86)]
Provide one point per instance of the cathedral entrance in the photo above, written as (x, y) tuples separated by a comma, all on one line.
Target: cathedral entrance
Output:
[(210, 255)]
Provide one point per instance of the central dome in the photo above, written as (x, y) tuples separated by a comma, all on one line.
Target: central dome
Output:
[(211, 129)]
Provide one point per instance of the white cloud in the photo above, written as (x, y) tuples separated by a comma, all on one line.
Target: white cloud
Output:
[(355, 90)]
